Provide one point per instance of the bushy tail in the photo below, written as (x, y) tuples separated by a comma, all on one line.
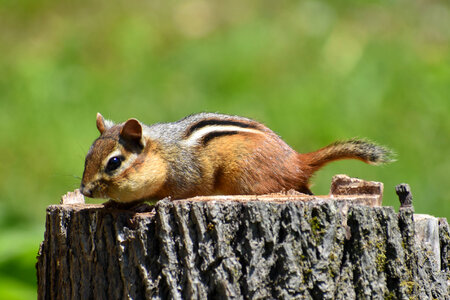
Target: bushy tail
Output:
[(366, 151)]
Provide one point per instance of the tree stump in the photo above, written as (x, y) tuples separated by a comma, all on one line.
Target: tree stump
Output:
[(282, 246)]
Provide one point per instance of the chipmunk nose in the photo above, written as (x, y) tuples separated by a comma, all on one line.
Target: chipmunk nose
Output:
[(86, 192)]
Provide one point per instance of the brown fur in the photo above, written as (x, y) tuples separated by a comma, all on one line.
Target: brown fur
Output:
[(251, 164), (234, 156)]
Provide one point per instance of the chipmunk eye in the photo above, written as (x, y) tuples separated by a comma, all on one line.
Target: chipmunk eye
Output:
[(114, 163)]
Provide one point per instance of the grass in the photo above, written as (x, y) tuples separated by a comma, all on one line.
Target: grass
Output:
[(314, 72)]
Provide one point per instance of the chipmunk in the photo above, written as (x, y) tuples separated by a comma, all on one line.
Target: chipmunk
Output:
[(204, 154)]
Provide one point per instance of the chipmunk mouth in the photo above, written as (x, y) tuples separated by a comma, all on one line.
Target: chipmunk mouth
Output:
[(95, 189), (86, 191)]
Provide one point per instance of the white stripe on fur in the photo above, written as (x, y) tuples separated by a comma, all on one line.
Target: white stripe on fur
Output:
[(197, 135)]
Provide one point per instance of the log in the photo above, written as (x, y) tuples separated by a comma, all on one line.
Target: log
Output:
[(282, 246)]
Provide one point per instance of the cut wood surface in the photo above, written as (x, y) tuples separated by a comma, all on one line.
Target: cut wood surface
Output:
[(281, 246)]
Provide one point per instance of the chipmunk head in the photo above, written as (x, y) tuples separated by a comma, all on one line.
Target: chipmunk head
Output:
[(121, 164)]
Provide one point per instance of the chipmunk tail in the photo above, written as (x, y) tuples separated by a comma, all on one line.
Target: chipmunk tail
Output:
[(361, 149)]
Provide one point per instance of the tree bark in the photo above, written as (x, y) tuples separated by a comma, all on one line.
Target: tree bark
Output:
[(284, 246)]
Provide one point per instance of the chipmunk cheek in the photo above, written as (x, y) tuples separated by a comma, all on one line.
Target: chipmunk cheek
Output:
[(157, 168), (114, 190), (119, 189), (112, 194), (123, 195)]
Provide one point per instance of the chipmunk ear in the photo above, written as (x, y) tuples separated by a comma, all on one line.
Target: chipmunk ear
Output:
[(132, 132), (103, 124), (100, 123)]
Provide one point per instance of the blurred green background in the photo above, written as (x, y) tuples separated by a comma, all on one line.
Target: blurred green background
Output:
[(313, 71)]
